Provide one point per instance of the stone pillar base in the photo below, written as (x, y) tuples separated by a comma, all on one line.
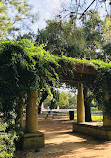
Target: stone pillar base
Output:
[(33, 140)]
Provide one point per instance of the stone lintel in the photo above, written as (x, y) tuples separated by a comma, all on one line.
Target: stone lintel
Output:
[(85, 68)]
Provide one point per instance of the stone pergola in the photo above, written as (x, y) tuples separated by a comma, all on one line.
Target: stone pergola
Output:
[(99, 132), (35, 139)]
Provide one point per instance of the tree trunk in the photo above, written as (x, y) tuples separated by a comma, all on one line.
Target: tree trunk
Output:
[(87, 102), (19, 111), (44, 96)]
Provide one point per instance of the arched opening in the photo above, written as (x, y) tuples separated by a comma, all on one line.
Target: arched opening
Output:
[(30, 72)]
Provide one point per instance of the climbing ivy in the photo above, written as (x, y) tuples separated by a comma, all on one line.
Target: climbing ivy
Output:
[(24, 66), (101, 85)]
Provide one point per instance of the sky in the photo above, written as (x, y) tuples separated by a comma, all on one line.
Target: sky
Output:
[(48, 9)]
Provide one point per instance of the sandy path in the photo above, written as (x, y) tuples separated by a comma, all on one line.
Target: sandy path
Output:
[(60, 142)]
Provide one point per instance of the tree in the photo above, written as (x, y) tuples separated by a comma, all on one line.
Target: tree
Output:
[(20, 19), (66, 38), (62, 38), (78, 8), (47, 101), (107, 52), (63, 100), (88, 97), (4, 20), (52, 100), (93, 33), (30, 36), (42, 97), (107, 28), (72, 100)]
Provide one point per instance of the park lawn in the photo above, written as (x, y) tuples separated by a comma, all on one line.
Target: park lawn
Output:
[(94, 118), (97, 118)]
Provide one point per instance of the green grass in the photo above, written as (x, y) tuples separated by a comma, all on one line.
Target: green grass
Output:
[(94, 118), (97, 118)]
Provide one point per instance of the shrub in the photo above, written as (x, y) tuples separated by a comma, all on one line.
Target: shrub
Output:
[(7, 146)]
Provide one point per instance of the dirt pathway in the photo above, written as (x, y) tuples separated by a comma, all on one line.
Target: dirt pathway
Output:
[(60, 142)]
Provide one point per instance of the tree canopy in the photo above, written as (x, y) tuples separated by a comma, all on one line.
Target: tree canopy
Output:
[(62, 38), (15, 15), (72, 40)]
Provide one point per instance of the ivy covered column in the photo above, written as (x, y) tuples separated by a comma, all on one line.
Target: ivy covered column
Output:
[(32, 113), (80, 104), (106, 119)]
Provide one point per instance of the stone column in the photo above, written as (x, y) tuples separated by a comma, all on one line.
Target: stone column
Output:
[(106, 120), (32, 113), (32, 139), (80, 104)]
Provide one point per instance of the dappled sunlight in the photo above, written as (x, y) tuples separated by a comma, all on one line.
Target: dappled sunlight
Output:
[(62, 137), (61, 142)]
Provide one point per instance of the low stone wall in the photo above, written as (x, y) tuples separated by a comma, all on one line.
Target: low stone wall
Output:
[(99, 132)]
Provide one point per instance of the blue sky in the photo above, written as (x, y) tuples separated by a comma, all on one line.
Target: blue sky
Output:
[(48, 9)]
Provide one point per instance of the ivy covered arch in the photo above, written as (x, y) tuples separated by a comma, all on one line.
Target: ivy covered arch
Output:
[(92, 73), (26, 69)]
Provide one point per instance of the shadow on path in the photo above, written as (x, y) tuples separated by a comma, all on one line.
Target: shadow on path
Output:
[(61, 142)]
